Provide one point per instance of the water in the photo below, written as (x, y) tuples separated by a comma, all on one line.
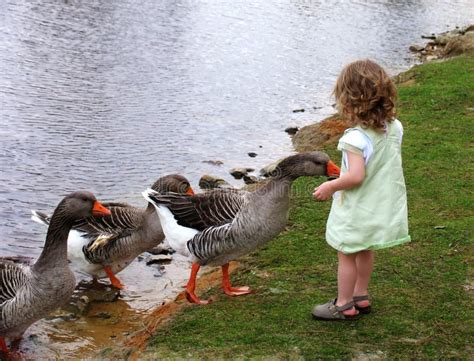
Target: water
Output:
[(109, 95)]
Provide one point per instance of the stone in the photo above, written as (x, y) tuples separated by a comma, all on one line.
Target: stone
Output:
[(104, 315), (416, 48), (469, 28), (292, 130), (316, 136), (463, 44), (238, 173), (250, 179), (210, 182), (162, 248), (269, 169), (160, 259), (213, 162)]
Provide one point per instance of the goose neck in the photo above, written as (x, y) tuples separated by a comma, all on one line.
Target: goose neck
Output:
[(279, 187), (55, 247)]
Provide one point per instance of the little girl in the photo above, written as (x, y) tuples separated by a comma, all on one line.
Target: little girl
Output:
[(369, 207)]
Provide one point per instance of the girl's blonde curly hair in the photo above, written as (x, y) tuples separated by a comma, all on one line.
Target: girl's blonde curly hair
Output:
[(365, 94)]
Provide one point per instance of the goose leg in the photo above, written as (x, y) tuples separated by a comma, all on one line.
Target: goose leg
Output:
[(227, 287), (113, 279), (191, 286), (3, 345)]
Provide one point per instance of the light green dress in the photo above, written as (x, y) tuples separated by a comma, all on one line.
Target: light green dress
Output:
[(374, 214)]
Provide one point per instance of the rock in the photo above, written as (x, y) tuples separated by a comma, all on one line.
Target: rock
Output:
[(104, 315), (210, 182), (444, 38), (430, 37), (160, 259), (416, 48), (469, 28), (250, 179), (298, 110), (316, 136), (292, 130), (161, 249), (82, 303), (431, 57), (213, 162), (463, 44), (252, 154), (269, 169), (238, 173)]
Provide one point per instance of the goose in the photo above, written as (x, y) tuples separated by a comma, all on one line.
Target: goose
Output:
[(219, 226), (103, 247), (29, 292)]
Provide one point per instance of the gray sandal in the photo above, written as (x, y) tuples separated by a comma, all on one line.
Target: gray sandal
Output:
[(330, 312), (363, 310)]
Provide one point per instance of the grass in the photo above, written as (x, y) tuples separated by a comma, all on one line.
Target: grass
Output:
[(422, 292)]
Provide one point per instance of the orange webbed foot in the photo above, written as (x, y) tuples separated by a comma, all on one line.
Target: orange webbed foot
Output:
[(113, 279)]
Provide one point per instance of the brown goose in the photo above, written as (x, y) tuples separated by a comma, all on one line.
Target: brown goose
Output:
[(103, 247), (219, 226), (28, 293)]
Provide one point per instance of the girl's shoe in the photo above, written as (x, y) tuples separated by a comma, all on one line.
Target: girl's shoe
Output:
[(330, 312), (362, 310)]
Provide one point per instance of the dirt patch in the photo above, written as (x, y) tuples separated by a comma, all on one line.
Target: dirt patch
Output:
[(162, 314)]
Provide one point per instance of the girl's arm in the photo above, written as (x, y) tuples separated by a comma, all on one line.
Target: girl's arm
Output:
[(350, 179)]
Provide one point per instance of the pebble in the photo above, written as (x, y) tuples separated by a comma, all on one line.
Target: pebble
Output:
[(292, 130)]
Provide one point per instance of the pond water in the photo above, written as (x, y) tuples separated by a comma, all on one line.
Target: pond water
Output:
[(109, 95)]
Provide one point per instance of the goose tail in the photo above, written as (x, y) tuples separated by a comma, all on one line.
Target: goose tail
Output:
[(177, 235), (40, 217)]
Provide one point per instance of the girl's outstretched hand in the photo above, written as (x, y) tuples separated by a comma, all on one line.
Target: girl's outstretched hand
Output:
[(324, 191)]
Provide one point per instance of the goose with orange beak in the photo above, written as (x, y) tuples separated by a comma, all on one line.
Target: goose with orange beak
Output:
[(219, 226), (29, 293), (103, 247)]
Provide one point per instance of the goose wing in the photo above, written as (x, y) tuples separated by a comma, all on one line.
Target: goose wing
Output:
[(202, 211), (12, 278), (123, 218)]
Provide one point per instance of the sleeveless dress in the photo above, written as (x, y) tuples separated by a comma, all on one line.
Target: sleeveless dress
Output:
[(374, 214)]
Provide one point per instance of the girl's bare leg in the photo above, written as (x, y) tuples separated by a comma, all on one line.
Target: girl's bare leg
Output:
[(346, 280), (365, 264)]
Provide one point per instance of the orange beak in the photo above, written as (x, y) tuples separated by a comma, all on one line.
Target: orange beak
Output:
[(99, 210), (190, 192), (332, 170)]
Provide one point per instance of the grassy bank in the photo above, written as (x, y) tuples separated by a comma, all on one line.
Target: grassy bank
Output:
[(422, 292)]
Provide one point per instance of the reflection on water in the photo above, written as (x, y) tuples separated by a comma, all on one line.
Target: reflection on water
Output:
[(110, 95)]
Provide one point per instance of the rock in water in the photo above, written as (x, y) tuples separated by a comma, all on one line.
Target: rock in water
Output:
[(210, 182), (250, 179), (239, 173), (213, 162), (292, 130), (416, 48)]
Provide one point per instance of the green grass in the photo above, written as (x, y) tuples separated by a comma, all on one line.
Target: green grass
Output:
[(422, 308)]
